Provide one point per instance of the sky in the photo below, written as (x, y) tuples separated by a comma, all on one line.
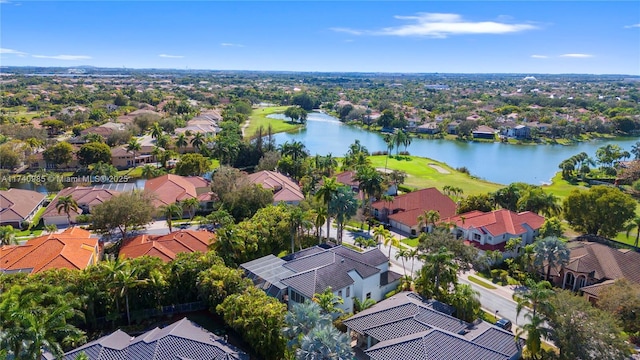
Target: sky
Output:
[(531, 37)]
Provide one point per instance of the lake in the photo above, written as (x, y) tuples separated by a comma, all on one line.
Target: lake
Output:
[(496, 162)]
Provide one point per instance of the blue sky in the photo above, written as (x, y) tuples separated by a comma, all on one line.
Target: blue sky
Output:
[(447, 37)]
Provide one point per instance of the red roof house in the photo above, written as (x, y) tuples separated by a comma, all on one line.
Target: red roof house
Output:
[(72, 249), (170, 188), (284, 189), (402, 213), (491, 230), (166, 247)]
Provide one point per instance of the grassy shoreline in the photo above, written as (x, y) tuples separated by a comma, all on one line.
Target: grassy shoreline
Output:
[(259, 118)]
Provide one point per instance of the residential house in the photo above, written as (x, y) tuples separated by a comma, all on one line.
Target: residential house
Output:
[(183, 339), (408, 326), (18, 206), (121, 158), (519, 132), (402, 213), (206, 123), (166, 247), (104, 130), (170, 189), (37, 161), (484, 132), (128, 118), (491, 230), (452, 127), (86, 197), (594, 266), (428, 128), (350, 274), (284, 188), (73, 249)]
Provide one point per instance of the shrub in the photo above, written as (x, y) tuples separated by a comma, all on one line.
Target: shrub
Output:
[(464, 170)]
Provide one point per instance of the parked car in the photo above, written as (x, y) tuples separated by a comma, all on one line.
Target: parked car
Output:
[(504, 324)]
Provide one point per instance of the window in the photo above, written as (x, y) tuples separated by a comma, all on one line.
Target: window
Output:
[(340, 293), (296, 297), (476, 237), (348, 291), (369, 295)]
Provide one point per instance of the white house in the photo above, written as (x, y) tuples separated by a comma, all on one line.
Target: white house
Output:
[(350, 274)]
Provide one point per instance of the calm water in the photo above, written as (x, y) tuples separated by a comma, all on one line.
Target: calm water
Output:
[(496, 162)]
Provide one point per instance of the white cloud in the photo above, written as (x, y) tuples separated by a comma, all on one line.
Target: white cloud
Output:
[(540, 56), (632, 26), (12, 51), (577, 56), (171, 56), (440, 25), (231, 45), (63, 57)]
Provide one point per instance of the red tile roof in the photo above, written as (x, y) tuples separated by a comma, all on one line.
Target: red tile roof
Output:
[(284, 189), (411, 205), (171, 188), (347, 178), (605, 262), (84, 196), (71, 249), (498, 222), (167, 246)]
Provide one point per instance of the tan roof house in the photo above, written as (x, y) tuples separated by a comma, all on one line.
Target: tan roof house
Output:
[(86, 197), (166, 247), (284, 189), (170, 189), (18, 205), (402, 213), (73, 249)]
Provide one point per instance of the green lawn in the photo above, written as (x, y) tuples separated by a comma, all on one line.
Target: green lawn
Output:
[(475, 280), (413, 242), (421, 175), (561, 187), (259, 118)]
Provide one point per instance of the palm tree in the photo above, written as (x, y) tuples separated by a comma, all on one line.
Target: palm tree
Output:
[(156, 131), (50, 228), (403, 254), (466, 301), (391, 241), (535, 295), (380, 233), (191, 205), (535, 330), (326, 193), (388, 139), (634, 223), (438, 274), (301, 319), (7, 235), (359, 305), (169, 212), (296, 150), (343, 206), (328, 301), (635, 150), (127, 279), (163, 141), (399, 138), (370, 183), (413, 254), (428, 217), (551, 252), (149, 172), (134, 146), (67, 204), (181, 141), (324, 342), (197, 141), (320, 219)]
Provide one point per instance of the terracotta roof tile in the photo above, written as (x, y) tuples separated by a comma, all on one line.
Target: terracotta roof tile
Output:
[(17, 204), (84, 196), (409, 206), (284, 189), (167, 246), (171, 188), (605, 262), (71, 249), (498, 222)]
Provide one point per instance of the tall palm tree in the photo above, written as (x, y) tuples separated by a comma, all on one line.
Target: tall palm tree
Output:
[(296, 150), (324, 342), (7, 235), (551, 252), (319, 220), (399, 138), (181, 141), (134, 146), (391, 241), (301, 319), (466, 301), (191, 205), (127, 279), (535, 329), (634, 223), (67, 204), (197, 141), (535, 295), (388, 139), (428, 217), (370, 182), (326, 193), (437, 274), (403, 254), (169, 212), (343, 206), (380, 234), (156, 130)]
